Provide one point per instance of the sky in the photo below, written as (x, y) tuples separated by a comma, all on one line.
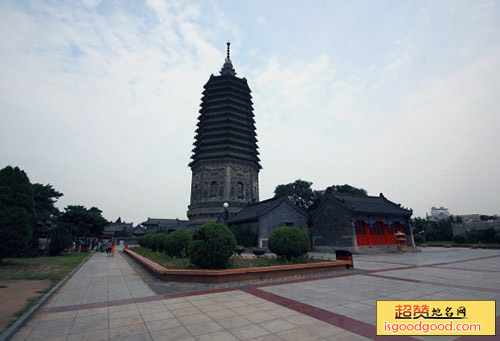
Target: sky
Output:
[(101, 98)]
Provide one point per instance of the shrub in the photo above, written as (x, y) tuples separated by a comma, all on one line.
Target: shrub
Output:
[(418, 238), (461, 238), (497, 238), (144, 241), (212, 246), (474, 236), (61, 239), (177, 243), (157, 241), (288, 242), (488, 235)]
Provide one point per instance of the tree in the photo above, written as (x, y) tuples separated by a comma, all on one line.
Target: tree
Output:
[(45, 197), (298, 192), (302, 195), (16, 212), (348, 189), (83, 222)]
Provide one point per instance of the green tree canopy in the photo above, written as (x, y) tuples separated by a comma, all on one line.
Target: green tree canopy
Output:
[(348, 189), (17, 212), (440, 230), (298, 192), (83, 222), (45, 196), (302, 195)]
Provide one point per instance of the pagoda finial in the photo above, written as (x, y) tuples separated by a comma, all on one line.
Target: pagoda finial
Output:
[(227, 68)]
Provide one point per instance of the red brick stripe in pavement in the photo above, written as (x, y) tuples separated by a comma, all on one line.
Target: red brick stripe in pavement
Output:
[(457, 268), (457, 286), (341, 321), (184, 294), (132, 300)]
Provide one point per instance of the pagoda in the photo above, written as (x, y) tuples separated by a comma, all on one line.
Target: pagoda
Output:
[(225, 164)]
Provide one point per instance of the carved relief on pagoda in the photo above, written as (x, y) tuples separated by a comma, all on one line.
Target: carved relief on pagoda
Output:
[(208, 184)]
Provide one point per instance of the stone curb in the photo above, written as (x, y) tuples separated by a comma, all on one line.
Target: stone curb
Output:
[(12, 330), (235, 275)]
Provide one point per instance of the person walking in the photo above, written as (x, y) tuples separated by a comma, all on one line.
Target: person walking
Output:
[(113, 250), (108, 249)]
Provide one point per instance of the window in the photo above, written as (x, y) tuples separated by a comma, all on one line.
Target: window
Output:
[(213, 189), (240, 190)]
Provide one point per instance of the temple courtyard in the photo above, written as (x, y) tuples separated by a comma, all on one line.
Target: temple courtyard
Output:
[(113, 298)]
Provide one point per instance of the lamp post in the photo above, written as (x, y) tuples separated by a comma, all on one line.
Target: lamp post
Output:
[(225, 205)]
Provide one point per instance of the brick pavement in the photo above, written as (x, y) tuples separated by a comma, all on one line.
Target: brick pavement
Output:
[(108, 300)]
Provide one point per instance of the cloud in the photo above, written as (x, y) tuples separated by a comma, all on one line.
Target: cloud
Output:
[(112, 103)]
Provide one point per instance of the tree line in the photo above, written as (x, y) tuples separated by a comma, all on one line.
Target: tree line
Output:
[(302, 195), (27, 212)]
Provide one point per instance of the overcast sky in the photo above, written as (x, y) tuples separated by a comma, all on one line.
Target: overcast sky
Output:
[(100, 99)]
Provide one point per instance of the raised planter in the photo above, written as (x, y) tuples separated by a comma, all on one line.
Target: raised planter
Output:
[(235, 275), (259, 252)]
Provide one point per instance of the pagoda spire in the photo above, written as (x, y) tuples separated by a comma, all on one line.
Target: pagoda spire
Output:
[(227, 68)]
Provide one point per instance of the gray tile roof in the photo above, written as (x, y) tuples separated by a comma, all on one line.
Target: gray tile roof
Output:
[(118, 227), (370, 204), (254, 211), (158, 224)]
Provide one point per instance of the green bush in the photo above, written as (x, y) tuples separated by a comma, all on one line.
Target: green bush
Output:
[(144, 241), (288, 242), (418, 238), (157, 241), (212, 246), (497, 238), (488, 235), (474, 236), (177, 243), (61, 239), (461, 238)]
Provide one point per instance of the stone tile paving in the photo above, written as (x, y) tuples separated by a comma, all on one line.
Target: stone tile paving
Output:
[(312, 309)]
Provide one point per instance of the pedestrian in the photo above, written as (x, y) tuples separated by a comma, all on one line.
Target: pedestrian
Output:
[(113, 250), (108, 249)]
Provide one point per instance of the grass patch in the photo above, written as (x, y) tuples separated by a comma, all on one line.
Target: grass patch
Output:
[(164, 260), (40, 268), (234, 263), (53, 269)]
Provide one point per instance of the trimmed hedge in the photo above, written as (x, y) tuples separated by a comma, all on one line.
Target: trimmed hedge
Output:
[(144, 241), (177, 243), (288, 242), (418, 238), (157, 241), (212, 246), (461, 238)]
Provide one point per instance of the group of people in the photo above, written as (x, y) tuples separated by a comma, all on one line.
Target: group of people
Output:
[(110, 249)]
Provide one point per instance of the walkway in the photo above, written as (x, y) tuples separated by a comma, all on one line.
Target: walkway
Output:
[(107, 299)]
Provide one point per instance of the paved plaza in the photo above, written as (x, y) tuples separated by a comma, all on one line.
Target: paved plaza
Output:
[(109, 298)]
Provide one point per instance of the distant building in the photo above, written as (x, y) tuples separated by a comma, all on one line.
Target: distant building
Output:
[(121, 229), (260, 219), (138, 231), (439, 213), (476, 222), (154, 225), (358, 223)]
